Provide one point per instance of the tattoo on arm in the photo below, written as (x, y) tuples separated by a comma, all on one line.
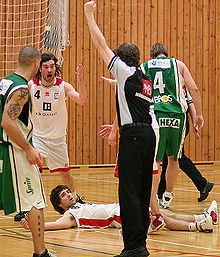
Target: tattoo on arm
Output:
[(13, 110), (23, 94)]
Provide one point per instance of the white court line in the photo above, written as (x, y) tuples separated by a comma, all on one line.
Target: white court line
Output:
[(166, 242), (6, 217), (192, 190), (192, 246)]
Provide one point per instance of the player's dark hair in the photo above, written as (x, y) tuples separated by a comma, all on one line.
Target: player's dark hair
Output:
[(28, 55), (55, 199), (158, 49), (128, 53), (45, 57)]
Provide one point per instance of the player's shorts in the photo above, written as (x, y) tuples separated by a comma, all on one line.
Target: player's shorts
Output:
[(54, 151), (172, 134), (20, 183)]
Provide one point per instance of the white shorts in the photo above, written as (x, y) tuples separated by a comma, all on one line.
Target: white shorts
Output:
[(54, 151), (27, 184)]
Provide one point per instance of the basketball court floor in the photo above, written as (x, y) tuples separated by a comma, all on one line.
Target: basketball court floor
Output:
[(98, 185)]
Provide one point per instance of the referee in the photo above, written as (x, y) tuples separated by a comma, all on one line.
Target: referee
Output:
[(137, 139)]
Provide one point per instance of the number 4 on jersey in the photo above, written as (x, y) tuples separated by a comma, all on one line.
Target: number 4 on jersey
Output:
[(37, 94), (158, 82)]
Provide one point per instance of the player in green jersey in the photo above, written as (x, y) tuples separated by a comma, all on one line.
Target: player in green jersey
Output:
[(20, 183), (168, 76)]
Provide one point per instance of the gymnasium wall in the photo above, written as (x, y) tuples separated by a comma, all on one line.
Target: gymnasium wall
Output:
[(190, 30)]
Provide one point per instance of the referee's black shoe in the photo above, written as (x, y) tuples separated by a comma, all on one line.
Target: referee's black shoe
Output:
[(204, 194), (20, 216), (137, 252)]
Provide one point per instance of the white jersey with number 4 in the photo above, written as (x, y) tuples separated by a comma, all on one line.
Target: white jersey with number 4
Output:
[(49, 111)]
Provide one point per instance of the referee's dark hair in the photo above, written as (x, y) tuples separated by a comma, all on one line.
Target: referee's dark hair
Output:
[(55, 199), (128, 53), (45, 57)]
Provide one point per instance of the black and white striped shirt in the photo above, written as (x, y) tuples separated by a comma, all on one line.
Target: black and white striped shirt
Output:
[(134, 93)]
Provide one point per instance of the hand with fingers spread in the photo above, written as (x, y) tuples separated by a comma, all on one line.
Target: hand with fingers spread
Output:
[(108, 132)]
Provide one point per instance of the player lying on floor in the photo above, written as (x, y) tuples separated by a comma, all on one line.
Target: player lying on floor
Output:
[(108, 215)]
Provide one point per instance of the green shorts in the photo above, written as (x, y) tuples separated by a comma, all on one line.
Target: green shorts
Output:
[(172, 134), (20, 183)]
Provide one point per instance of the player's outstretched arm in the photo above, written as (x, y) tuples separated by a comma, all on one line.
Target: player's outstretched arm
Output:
[(110, 81), (96, 35), (66, 221), (81, 96)]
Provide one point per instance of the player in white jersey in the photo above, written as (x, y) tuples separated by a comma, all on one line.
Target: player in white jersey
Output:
[(49, 115), (108, 215), (49, 112)]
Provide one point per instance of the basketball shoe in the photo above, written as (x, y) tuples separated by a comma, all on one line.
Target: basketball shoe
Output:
[(44, 254), (213, 212), (19, 216), (205, 225), (204, 194), (166, 200), (156, 223), (137, 252)]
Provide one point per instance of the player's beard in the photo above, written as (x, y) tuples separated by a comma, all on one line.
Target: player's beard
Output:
[(49, 79)]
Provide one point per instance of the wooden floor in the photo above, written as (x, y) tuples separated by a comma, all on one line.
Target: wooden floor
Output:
[(98, 185)]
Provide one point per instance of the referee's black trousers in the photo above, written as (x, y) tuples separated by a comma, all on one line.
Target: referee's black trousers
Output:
[(135, 168)]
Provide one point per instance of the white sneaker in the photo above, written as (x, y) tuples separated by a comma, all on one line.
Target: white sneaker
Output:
[(213, 212), (205, 225), (51, 255), (166, 200)]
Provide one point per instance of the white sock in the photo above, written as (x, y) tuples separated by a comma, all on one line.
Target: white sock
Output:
[(199, 217), (192, 226)]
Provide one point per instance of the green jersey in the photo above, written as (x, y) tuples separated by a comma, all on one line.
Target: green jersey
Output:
[(168, 94), (8, 85)]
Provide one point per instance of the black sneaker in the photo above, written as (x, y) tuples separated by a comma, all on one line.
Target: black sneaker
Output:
[(79, 199), (20, 216), (44, 254), (137, 252), (204, 194)]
